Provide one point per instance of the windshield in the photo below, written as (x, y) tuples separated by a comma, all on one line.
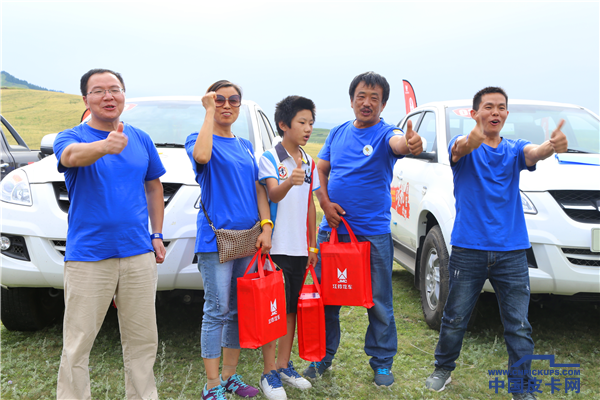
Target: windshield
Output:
[(535, 123), (171, 121)]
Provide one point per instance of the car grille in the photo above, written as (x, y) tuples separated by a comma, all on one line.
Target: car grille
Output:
[(61, 245), (583, 257), (579, 205), (62, 196)]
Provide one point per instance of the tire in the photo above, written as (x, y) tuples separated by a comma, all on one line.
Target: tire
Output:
[(30, 309), (433, 270)]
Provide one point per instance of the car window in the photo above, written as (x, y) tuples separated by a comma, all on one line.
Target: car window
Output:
[(536, 123), (8, 135), (265, 131), (427, 131), (414, 118), (172, 121)]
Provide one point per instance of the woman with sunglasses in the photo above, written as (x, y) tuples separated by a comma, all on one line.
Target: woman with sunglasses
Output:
[(227, 173)]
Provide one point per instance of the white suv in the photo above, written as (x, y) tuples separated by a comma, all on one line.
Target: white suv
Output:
[(35, 204), (561, 201)]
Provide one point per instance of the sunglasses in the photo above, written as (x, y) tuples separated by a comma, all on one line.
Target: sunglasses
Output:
[(234, 101)]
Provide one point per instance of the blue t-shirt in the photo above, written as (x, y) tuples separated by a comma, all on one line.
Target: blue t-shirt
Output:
[(228, 188), (489, 212), (108, 215), (362, 164)]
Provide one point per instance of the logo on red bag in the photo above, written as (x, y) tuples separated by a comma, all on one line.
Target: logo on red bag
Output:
[(274, 314), (342, 276), (274, 307)]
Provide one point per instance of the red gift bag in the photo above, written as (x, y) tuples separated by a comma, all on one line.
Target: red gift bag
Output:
[(346, 271), (261, 305), (311, 320)]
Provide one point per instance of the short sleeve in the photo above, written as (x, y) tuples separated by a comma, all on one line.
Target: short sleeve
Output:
[(156, 168), (190, 142), (389, 135), (266, 169), (315, 178), (450, 144), (325, 152), (520, 149), (62, 141)]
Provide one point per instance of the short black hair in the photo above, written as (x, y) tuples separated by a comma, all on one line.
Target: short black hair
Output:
[(371, 79), (86, 77), (286, 110), (222, 84), (487, 90)]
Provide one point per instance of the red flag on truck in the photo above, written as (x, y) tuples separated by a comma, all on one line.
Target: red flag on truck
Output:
[(410, 100)]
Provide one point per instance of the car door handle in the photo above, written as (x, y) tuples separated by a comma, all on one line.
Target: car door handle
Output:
[(424, 190)]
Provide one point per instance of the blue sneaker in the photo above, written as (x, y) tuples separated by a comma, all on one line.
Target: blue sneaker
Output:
[(271, 386), (236, 385), (291, 377), (316, 367), (216, 393), (384, 377)]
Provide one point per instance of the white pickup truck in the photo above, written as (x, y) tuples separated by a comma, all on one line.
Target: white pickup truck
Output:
[(561, 201), (35, 204)]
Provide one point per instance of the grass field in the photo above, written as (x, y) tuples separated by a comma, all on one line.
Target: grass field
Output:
[(570, 331), (35, 113)]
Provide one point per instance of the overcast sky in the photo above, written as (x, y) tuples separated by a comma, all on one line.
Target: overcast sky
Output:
[(534, 50)]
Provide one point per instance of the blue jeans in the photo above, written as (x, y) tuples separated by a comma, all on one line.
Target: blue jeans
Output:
[(509, 275), (381, 339), (220, 319)]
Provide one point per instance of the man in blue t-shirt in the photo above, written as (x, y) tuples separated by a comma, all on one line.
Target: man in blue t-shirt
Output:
[(489, 237), (112, 175), (355, 171)]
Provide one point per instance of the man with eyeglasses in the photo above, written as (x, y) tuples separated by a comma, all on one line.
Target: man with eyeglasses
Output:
[(112, 175)]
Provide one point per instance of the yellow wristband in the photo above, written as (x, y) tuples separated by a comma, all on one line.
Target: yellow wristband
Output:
[(313, 250), (266, 221)]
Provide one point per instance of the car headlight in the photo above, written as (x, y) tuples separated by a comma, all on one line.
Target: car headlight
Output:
[(15, 188), (528, 207)]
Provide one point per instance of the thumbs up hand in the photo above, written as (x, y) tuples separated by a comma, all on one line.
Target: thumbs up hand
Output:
[(413, 140), (297, 177), (558, 139), (116, 141)]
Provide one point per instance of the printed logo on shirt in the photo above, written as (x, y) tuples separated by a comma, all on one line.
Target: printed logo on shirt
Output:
[(283, 172)]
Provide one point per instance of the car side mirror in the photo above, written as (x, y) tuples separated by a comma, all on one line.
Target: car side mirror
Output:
[(47, 144)]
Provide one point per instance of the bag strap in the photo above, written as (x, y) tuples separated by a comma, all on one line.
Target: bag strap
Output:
[(334, 234), (312, 170), (260, 268), (314, 277), (206, 215)]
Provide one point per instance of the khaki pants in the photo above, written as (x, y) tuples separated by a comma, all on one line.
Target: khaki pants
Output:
[(89, 290)]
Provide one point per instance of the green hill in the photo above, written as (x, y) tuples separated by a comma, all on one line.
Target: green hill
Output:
[(35, 113), (9, 81)]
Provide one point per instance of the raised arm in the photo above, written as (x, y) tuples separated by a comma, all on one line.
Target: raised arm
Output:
[(84, 154), (557, 144), (156, 212), (466, 144), (203, 147), (331, 210), (278, 191), (409, 143)]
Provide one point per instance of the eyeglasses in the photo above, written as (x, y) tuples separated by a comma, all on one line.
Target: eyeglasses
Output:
[(234, 101), (115, 92)]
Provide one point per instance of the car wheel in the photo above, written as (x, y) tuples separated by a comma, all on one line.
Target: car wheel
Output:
[(30, 309), (434, 277)]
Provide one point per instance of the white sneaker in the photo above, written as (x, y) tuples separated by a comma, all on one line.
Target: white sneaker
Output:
[(271, 386), (291, 377)]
